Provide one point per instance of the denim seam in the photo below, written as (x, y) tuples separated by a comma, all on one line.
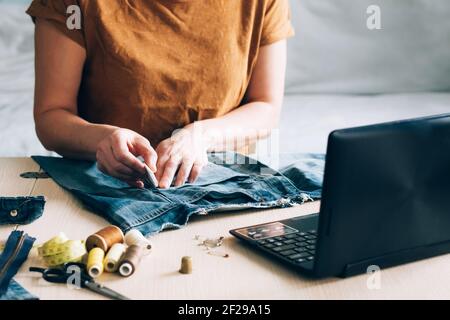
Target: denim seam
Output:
[(149, 216)]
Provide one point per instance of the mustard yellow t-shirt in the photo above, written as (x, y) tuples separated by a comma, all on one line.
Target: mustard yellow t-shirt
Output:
[(157, 65)]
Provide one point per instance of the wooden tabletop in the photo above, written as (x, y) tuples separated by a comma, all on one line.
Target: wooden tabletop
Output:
[(244, 275)]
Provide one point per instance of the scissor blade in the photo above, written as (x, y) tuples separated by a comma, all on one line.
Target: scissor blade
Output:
[(104, 291)]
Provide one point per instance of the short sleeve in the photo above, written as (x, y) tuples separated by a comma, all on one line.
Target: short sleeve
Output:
[(277, 22), (56, 12)]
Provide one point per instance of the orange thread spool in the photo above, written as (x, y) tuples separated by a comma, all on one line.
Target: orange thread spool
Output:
[(105, 238)]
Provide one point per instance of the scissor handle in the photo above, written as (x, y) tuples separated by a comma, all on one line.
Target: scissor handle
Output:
[(61, 275)]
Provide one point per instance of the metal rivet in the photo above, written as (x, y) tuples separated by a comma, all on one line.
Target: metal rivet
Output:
[(14, 213)]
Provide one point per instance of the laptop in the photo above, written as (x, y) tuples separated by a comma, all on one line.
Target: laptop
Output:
[(385, 202)]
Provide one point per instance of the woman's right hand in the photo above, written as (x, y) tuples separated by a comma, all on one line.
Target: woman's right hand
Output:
[(117, 156)]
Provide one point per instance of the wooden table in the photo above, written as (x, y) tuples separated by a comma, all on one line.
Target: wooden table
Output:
[(244, 275)]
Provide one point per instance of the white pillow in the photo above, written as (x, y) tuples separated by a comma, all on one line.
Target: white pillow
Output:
[(334, 51)]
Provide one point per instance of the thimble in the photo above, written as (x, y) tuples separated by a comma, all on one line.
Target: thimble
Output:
[(186, 265)]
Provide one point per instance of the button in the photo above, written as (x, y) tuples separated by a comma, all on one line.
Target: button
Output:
[(300, 249), (311, 241), (290, 236), (278, 244), (270, 246), (301, 260), (311, 247), (310, 237), (311, 258), (13, 213), (289, 241)]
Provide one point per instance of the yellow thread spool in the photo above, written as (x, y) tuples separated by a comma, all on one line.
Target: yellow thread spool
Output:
[(95, 262)]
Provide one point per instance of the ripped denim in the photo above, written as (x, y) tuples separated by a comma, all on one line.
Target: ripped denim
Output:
[(229, 182)]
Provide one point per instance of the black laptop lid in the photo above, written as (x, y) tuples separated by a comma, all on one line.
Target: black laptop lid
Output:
[(386, 191)]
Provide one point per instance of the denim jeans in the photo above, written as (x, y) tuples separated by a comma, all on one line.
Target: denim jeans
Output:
[(20, 210), (17, 292), (229, 182), (14, 211)]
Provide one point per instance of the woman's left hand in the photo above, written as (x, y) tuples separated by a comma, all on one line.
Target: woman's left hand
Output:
[(185, 152)]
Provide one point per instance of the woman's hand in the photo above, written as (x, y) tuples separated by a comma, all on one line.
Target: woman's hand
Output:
[(117, 156), (185, 152)]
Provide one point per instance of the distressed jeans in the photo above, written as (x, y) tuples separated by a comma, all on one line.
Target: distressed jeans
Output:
[(230, 182)]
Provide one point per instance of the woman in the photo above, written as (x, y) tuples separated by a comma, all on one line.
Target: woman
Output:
[(136, 71)]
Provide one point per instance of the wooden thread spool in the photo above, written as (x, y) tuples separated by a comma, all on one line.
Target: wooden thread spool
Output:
[(130, 260), (105, 238), (186, 265)]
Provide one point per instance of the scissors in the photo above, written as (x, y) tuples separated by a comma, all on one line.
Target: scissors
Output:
[(68, 271)]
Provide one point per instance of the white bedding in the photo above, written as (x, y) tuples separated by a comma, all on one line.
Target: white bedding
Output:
[(306, 119), (17, 136)]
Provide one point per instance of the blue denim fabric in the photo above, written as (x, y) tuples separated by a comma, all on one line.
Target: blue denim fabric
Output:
[(21, 210), (14, 254), (17, 292), (230, 181)]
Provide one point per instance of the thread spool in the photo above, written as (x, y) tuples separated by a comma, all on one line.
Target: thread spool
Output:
[(105, 238), (95, 262), (135, 237), (113, 257), (186, 265), (130, 260)]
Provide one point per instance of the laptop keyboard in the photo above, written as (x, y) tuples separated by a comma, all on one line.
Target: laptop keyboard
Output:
[(299, 247)]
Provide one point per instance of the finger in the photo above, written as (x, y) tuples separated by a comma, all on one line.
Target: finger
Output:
[(195, 172), (144, 149), (136, 183), (161, 163), (183, 172), (170, 169), (117, 169), (123, 155)]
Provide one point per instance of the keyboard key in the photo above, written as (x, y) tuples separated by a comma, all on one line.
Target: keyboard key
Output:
[(311, 248), (302, 234), (302, 249), (289, 241), (270, 246), (311, 241), (310, 258), (295, 256), (312, 232), (290, 236), (278, 238), (278, 243), (310, 237), (303, 254), (262, 242), (301, 260), (285, 247), (287, 252), (302, 244), (270, 240)]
